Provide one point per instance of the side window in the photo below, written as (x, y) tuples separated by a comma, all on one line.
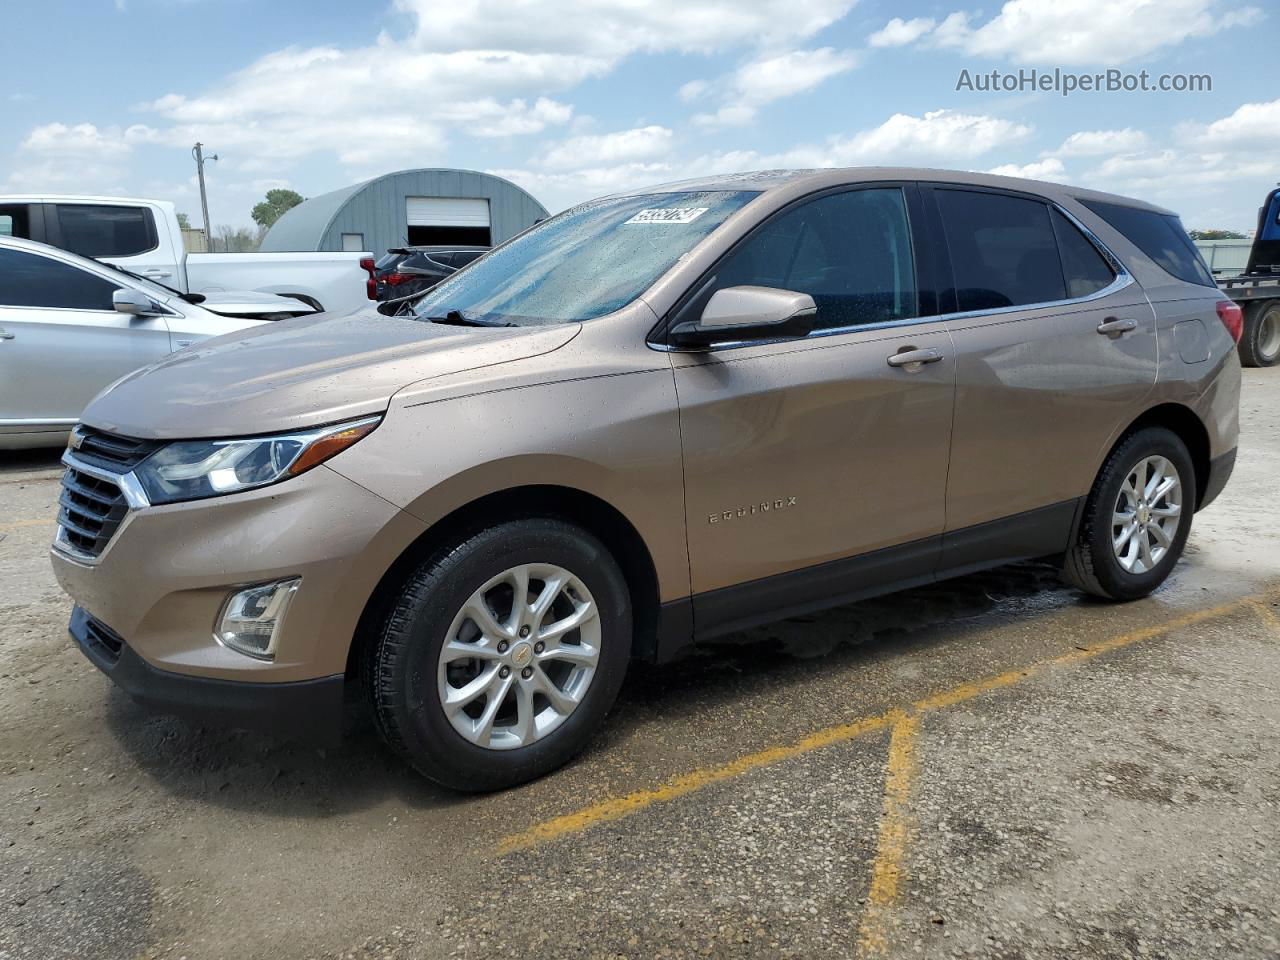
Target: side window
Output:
[(13, 221), (30, 280), (466, 256), (106, 231), (1086, 269), (1158, 235), (850, 251), (1003, 251)]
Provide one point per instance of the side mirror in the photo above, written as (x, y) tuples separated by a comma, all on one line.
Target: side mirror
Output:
[(133, 302), (746, 313)]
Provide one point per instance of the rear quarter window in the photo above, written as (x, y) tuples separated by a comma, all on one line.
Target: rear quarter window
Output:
[(1160, 236)]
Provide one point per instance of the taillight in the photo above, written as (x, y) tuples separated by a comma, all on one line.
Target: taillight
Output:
[(1232, 318), (370, 285), (395, 279)]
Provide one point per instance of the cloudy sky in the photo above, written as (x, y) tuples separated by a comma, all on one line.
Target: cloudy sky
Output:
[(576, 98)]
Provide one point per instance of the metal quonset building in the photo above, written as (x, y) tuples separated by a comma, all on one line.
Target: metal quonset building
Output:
[(408, 207)]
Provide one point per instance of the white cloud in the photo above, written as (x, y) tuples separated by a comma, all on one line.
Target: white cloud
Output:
[(79, 157), (612, 29), (560, 189), (939, 137), (1252, 126), (84, 139), (898, 32), (692, 90), (774, 77), (1096, 143), (620, 148), (1087, 32), (1047, 169)]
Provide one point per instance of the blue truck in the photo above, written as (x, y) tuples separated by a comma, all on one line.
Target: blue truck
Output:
[(1257, 290)]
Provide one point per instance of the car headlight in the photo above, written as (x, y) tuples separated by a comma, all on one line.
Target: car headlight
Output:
[(193, 469)]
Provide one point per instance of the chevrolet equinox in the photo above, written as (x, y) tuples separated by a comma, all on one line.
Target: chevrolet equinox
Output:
[(654, 419)]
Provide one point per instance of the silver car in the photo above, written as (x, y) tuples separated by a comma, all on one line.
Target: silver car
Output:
[(70, 325)]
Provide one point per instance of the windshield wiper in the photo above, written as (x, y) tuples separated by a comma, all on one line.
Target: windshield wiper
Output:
[(456, 318)]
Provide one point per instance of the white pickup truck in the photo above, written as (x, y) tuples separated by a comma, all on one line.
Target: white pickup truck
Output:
[(143, 236)]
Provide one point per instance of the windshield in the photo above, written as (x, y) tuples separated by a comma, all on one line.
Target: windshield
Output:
[(590, 260)]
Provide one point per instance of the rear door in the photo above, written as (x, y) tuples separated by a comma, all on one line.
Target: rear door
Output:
[(1055, 349), (804, 453), (61, 341)]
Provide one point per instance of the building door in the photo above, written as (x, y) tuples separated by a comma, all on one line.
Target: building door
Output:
[(448, 220)]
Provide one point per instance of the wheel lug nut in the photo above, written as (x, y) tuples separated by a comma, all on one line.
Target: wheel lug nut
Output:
[(527, 672), (504, 672), (539, 647), (524, 631), (502, 646)]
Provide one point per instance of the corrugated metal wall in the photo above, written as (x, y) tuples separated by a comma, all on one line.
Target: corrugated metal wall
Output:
[(377, 210)]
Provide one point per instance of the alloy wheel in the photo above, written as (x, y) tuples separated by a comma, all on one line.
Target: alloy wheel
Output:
[(519, 656), (1146, 515)]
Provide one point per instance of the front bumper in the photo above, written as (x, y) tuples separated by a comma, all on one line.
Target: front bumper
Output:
[(162, 579), (306, 709)]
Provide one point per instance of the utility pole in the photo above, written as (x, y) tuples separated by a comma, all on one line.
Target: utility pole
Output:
[(198, 153)]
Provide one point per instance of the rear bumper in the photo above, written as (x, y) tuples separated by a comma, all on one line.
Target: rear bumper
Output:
[(1220, 469), (306, 709)]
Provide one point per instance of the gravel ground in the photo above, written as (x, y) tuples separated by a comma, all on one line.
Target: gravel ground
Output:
[(1117, 805)]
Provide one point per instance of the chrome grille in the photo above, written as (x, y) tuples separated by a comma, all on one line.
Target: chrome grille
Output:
[(90, 510), (109, 451)]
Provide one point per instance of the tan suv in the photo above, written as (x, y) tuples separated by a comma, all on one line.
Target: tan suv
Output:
[(653, 419)]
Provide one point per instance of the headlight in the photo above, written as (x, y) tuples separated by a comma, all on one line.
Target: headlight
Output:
[(192, 469)]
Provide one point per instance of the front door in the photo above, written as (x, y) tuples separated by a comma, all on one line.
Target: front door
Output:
[(804, 453), (61, 341), (1055, 351)]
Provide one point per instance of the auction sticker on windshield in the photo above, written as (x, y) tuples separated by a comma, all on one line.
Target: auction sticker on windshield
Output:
[(668, 215)]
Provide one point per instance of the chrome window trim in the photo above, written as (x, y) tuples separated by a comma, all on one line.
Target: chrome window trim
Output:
[(1123, 279)]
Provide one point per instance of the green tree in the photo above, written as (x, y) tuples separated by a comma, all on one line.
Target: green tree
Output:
[(1217, 235), (271, 209), (183, 221)]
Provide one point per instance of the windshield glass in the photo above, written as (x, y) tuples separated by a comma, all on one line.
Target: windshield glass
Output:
[(590, 260)]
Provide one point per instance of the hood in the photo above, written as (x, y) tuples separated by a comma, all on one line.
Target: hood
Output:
[(251, 303), (302, 372)]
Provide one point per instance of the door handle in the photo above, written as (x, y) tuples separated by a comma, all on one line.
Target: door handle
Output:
[(6, 335), (156, 274), (907, 358), (1113, 328)]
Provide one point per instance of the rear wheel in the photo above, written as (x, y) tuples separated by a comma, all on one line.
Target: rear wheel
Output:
[(502, 655), (1260, 341), (1136, 519)]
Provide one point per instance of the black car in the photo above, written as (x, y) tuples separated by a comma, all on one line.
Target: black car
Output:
[(405, 272)]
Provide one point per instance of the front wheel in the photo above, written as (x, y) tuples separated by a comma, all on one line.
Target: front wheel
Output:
[(502, 655), (1136, 519), (1260, 341)]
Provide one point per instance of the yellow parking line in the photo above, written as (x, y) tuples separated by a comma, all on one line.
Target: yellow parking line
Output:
[(1265, 613), (889, 870), (35, 522), (618, 807)]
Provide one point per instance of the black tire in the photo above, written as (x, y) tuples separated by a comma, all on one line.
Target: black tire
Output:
[(1091, 563), (1259, 345), (401, 676)]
